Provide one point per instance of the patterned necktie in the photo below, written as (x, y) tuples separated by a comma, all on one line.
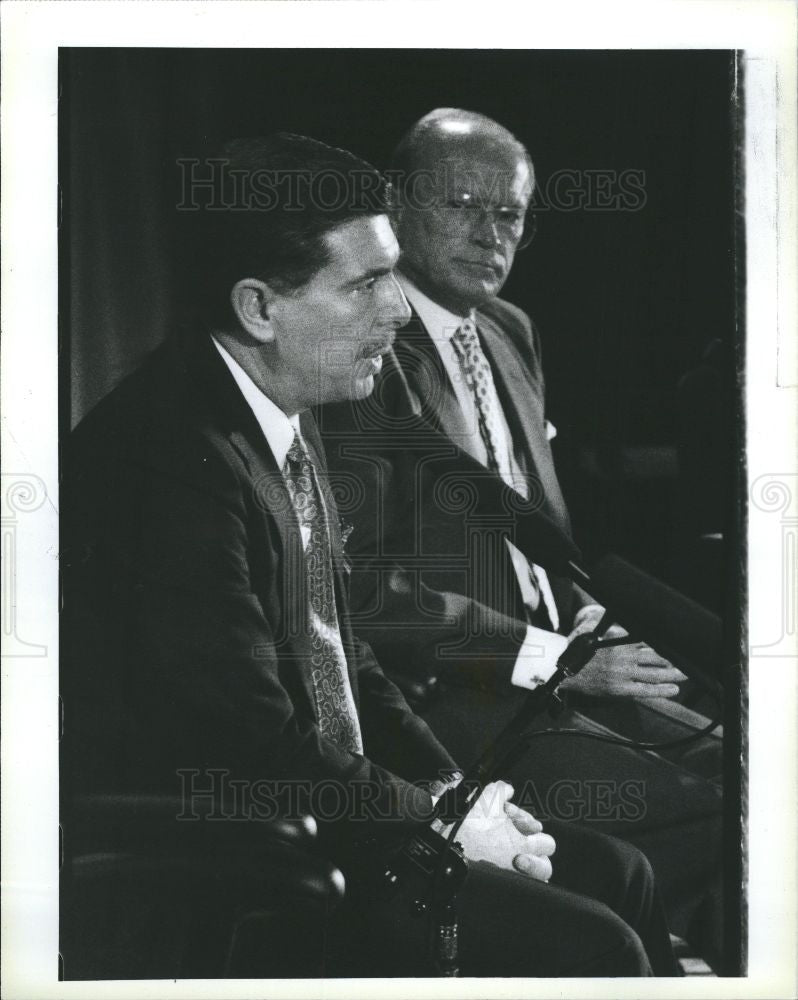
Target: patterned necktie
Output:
[(479, 379), (335, 705)]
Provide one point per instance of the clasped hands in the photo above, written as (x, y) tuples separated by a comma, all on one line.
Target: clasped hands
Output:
[(499, 831), (629, 671)]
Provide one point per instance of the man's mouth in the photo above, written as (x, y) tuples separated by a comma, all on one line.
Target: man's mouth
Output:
[(372, 355), (372, 352), (494, 268)]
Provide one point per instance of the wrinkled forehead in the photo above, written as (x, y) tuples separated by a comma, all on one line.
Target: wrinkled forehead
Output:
[(490, 170)]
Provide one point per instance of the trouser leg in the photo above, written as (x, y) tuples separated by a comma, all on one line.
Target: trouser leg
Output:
[(674, 816), (509, 925), (619, 876)]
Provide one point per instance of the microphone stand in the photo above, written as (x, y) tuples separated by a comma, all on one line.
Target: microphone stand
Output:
[(510, 744), (434, 853)]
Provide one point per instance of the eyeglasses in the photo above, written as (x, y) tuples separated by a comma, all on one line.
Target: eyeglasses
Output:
[(512, 225)]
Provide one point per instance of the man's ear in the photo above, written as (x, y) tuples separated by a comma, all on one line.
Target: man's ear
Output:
[(251, 300)]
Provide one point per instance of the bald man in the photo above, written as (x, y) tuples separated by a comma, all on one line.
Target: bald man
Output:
[(434, 591)]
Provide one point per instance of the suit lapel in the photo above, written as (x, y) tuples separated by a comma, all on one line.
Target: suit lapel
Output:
[(429, 382), (269, 498), (232, 414), (523, 410)]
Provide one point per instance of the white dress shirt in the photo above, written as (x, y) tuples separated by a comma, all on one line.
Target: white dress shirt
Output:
[(278, 429), (540, 650)]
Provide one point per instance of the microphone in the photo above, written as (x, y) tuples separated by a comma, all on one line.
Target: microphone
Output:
[(679, 629)]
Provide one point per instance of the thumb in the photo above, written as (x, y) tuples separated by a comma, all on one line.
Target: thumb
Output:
[(493, 799), (503, 790)]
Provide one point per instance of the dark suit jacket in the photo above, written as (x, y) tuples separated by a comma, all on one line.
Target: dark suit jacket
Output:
[(185, 600), (512, 346), (431, 584)]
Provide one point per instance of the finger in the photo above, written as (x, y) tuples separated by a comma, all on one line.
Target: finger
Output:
[(639, 690), (523, 821), (655, 675), (542, 845), (529, 864), (653, 660), (648, 655)]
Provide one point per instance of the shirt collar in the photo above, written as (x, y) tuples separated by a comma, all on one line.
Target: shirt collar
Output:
[(277, 427), (439, 322)]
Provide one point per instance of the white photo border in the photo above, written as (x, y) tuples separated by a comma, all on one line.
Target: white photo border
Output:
[(32, 34)]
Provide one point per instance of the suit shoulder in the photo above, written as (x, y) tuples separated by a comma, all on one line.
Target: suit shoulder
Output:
[(515, 324), (505, 313), (147, 426)]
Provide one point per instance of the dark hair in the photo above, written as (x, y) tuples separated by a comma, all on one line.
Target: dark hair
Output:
[(260, 208)]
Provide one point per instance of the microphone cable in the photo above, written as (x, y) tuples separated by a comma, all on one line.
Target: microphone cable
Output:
[(623, 741), (600, 738)]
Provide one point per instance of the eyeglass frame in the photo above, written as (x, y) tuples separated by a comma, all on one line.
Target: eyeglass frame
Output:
[(529, 222)]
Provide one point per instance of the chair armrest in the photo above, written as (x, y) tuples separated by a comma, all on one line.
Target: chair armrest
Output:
[(124, 834), (158, 821), (253, 875)]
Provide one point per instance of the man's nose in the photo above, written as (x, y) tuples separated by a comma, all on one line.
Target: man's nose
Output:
[(485, 232), (395, 306)]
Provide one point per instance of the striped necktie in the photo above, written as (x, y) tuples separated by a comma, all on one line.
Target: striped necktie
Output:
[(335, 705)]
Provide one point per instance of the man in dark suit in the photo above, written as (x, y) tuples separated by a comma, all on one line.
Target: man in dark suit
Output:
[(437, 591), (206, 593)]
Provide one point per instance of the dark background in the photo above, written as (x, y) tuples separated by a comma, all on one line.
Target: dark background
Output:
[(626, 301), (649, 446)]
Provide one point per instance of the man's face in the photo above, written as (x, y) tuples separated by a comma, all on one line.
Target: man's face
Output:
[(331, 333), (459, 236)]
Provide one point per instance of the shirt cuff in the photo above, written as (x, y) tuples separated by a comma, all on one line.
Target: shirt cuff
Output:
[(537, 657), (586, 619), (437, 788)]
